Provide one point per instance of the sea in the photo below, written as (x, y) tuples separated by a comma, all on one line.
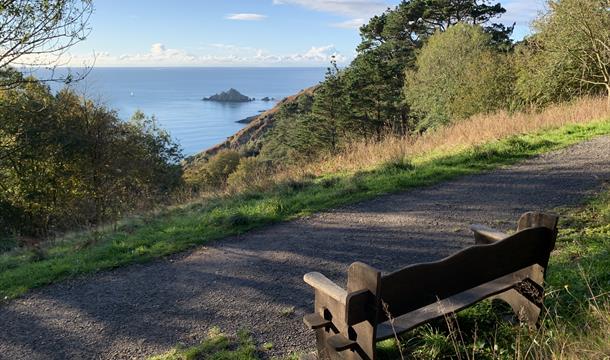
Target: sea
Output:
[(174, 97)]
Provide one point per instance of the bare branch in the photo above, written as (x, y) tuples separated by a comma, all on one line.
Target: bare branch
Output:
[(37, 33)]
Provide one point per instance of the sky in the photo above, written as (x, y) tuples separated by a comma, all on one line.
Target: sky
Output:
[(238, 33)]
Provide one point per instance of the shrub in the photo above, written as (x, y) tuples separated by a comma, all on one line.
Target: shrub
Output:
[(459, 73), (214, 174), (251, 174)]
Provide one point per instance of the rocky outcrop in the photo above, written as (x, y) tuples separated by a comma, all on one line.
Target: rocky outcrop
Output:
[(247, 120), (231, 95)]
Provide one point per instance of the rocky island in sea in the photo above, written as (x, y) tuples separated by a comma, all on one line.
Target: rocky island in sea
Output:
[(247, 120), (231, 95)]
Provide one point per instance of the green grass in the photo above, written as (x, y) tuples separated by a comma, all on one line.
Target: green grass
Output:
[(217, 346), (576, 321), (181, 228)]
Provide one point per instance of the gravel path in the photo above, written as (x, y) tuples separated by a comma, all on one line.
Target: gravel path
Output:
[(253, 281)]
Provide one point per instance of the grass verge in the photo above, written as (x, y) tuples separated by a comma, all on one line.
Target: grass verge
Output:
[(180, 228), (576, 320), (217, 346)]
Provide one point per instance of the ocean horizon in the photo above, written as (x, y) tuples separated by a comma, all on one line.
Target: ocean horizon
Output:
[(173, 95)]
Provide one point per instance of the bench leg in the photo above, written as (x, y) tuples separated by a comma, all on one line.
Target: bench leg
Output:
[(327, 352), (324, 351), (524, 309)]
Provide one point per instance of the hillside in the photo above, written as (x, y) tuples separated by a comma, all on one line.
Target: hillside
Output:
[(250, 136)]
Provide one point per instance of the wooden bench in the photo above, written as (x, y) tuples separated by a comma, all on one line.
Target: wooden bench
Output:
[(348, 323)]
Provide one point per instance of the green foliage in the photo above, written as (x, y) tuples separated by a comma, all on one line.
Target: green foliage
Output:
[(459, 73), (316, 126), (289, 139), (67, 162), (213, 175), (388, 48), (366, 99), (217, 346), (251, 174), (374, 81), (569, 54), (329, 126), (217, 217)]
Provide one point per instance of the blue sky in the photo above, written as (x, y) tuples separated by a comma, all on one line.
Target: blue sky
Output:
[(239, 32)]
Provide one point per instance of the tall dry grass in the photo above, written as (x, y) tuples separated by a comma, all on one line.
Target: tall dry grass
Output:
[(477, 130)]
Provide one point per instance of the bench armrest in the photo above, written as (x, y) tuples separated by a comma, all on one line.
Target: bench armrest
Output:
[(324, 285), (486, 235)]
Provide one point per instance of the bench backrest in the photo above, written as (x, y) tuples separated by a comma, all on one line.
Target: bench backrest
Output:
[(534, 219), (423, 284)]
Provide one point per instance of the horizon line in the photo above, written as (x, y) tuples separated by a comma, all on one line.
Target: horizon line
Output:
[(180, 67)]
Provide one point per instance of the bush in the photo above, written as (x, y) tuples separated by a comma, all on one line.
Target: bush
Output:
[(213, 175), (251, 174), (459, 73)]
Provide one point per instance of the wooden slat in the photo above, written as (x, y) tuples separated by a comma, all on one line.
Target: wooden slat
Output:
[(323, 284), (340, 342), (486, 235), (315, 321), (535, 219), (454, 303), (420, 285)]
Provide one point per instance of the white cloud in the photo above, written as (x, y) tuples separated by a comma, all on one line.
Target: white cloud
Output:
[(220, 55), (522, 12), (351, 8), (246, 17), (158, 54), (323, 53), (350, 24), (157, 49), (230, 47)]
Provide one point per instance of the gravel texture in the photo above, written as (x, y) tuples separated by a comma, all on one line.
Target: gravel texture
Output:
[(254, 281)]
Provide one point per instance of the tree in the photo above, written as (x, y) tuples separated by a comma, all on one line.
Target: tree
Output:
[(329, 122), (287, 142), (36, 33), (388, 48), (66, 162), (458, 73), (412, 22), (569, 54), (374, 83)]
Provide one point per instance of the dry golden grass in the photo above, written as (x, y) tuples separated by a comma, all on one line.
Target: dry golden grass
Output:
[(588, 339), (475, 131)]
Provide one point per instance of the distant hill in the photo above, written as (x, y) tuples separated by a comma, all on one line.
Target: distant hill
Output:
[(251, 135), (231, 95)]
